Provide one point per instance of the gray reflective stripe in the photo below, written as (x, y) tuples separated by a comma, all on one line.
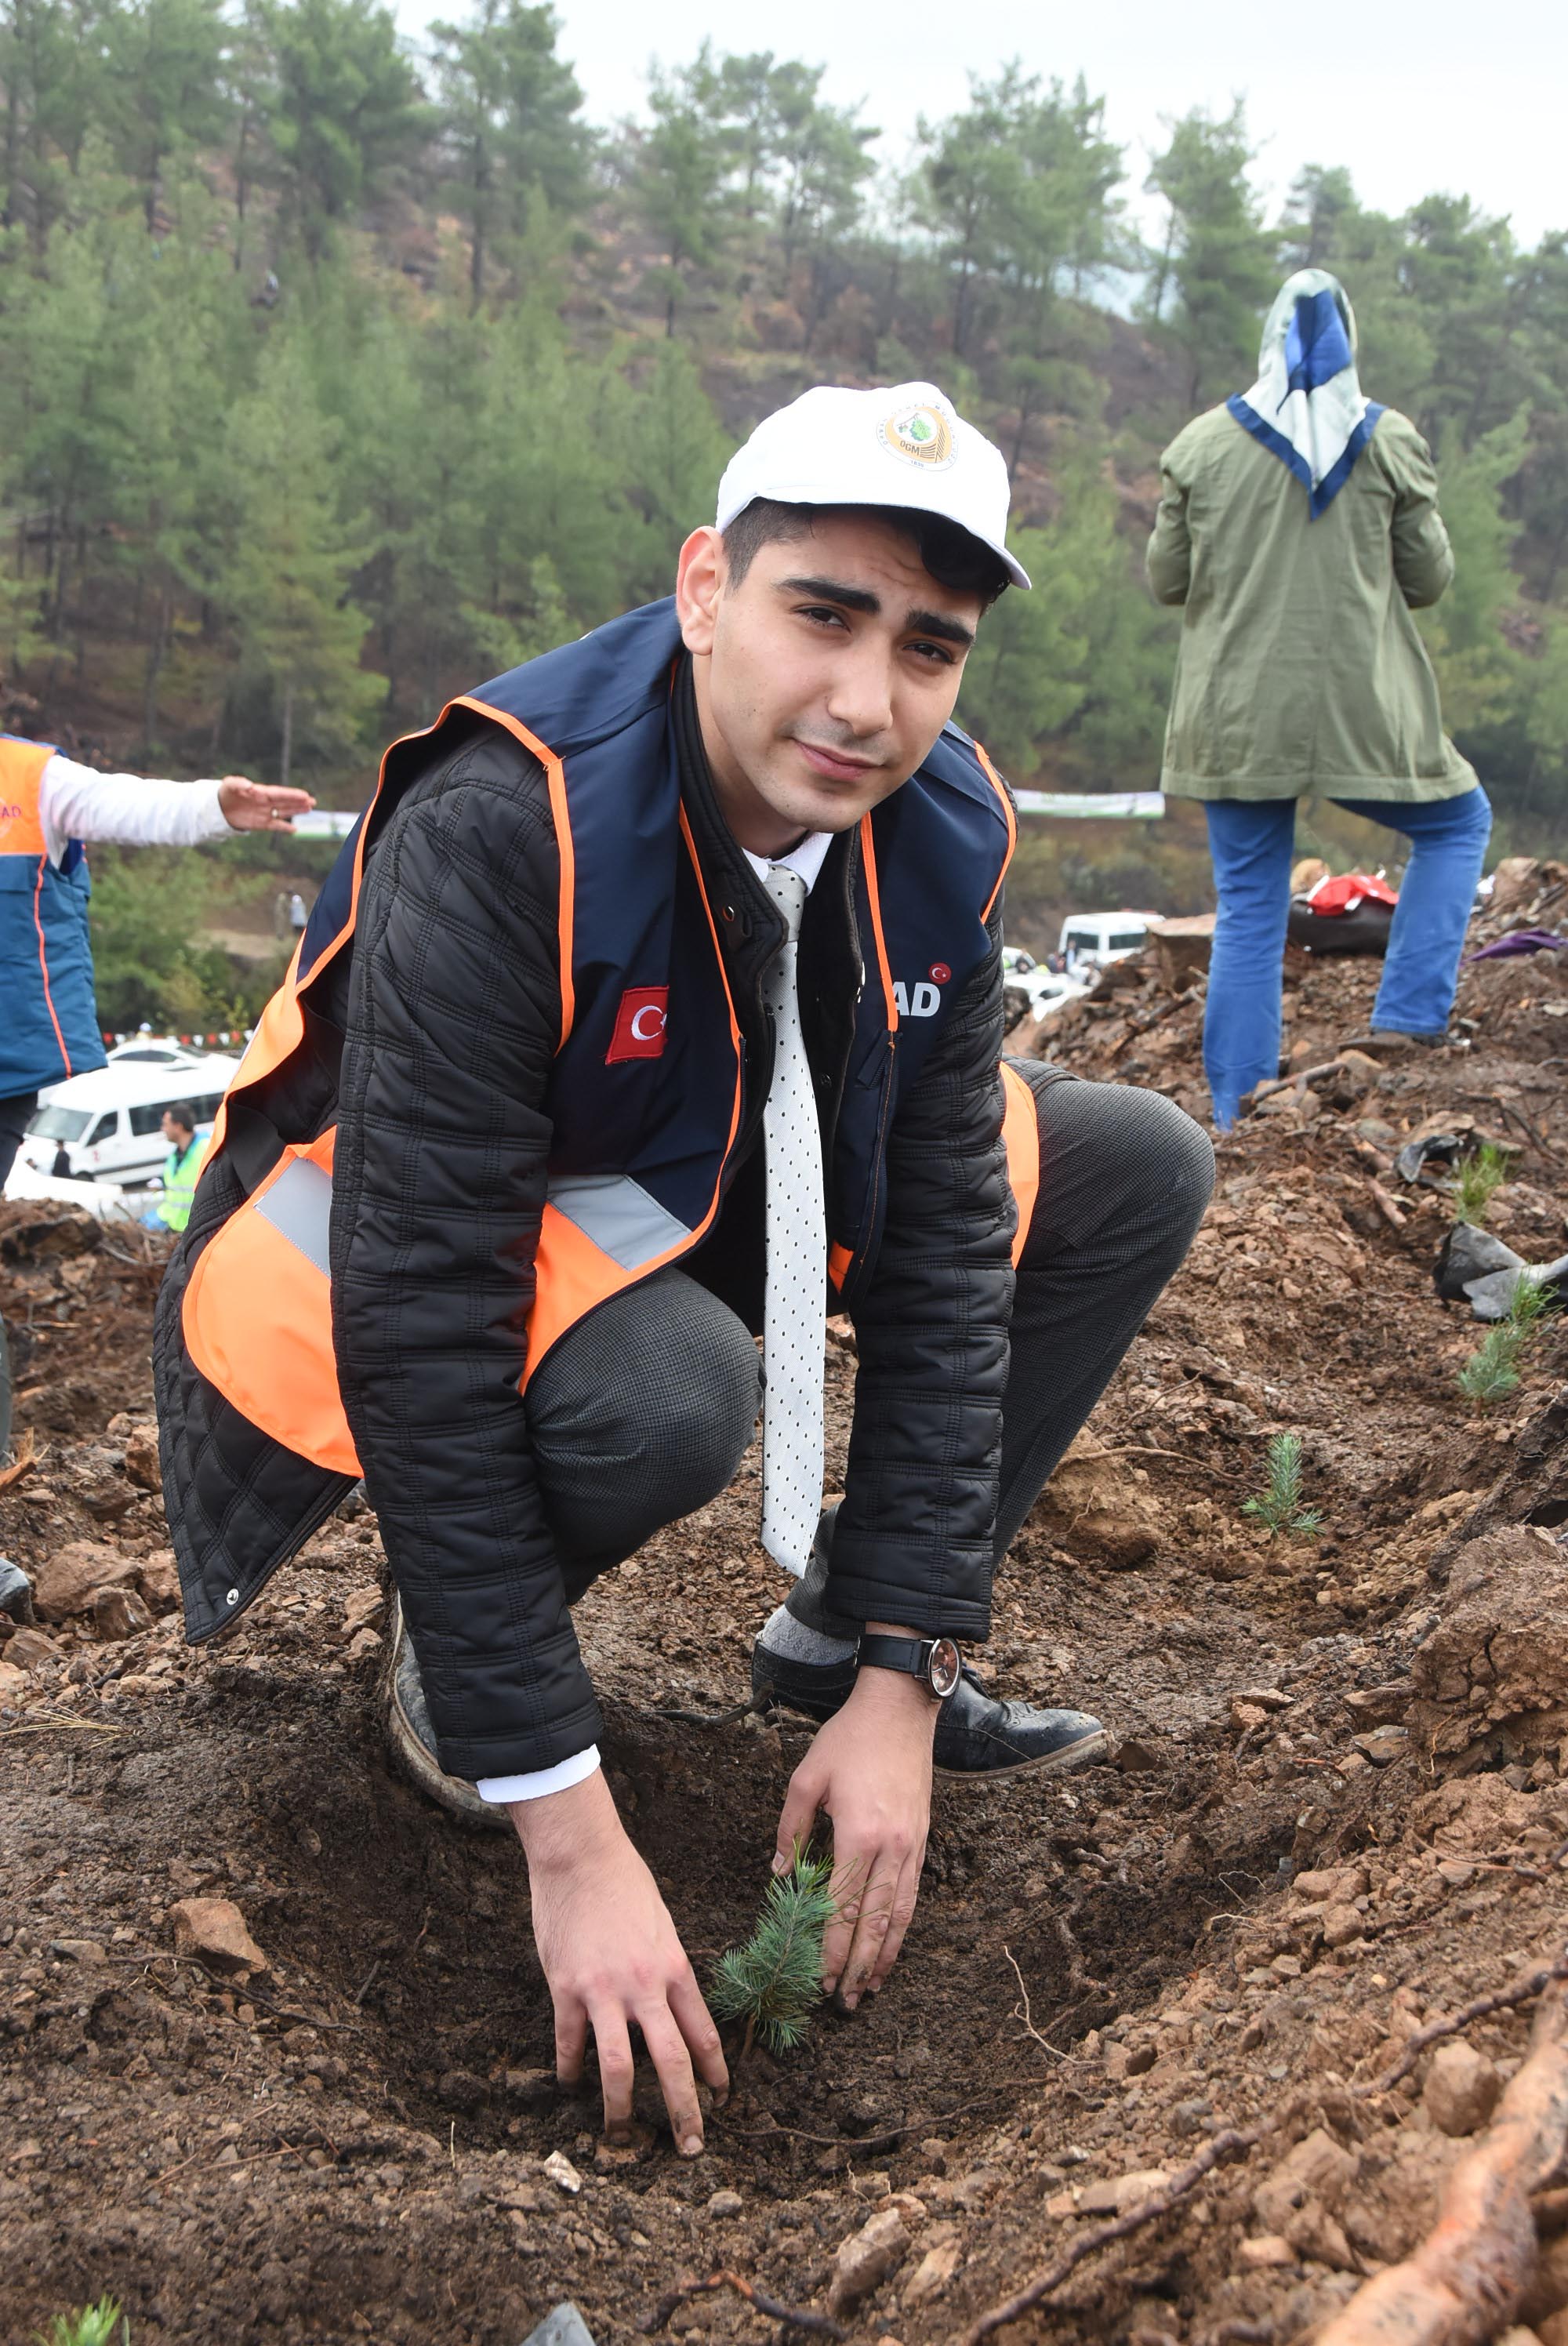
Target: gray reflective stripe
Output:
[(298, 1205), (618, 1216)]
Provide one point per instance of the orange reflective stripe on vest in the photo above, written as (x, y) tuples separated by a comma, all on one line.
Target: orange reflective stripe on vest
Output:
[(1020, 1139), (22, 765), (258, 1316)]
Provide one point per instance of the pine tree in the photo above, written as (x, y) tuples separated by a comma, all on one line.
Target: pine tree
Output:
[(286, 581), (774, 1983)]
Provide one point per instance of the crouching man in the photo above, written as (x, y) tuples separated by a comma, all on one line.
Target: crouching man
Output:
[(657, 1004)]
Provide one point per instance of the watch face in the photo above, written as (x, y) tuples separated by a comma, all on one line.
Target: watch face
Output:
[(944, 1669)]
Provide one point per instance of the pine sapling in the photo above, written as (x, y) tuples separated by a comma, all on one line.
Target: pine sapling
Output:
[(1491, 1372), (1279, 1507), (1475, 1179), (774, 1983), (96, 2325)]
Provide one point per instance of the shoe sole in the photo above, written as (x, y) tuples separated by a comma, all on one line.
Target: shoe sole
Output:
[(456, 1799), (1081, 1754)]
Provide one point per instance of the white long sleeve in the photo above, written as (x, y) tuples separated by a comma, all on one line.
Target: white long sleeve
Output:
[(539, 1781), (75, 802)]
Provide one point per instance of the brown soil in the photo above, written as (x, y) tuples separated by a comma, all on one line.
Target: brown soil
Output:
[(1103, 1971)]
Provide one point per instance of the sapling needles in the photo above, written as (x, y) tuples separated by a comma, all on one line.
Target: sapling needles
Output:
[(774, 1983), (96, 2325), (1474, 1180), (1491, 1372), (1278, 1505)]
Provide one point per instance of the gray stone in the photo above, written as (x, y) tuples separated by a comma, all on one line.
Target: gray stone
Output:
[(562, 2326), (16, 1592)]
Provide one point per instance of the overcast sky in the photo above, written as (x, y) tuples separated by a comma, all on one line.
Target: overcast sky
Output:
[(1423, 95)]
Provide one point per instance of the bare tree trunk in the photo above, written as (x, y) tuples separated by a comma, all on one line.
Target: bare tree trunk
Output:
[(154, 670), (241, 191), (476, 251)]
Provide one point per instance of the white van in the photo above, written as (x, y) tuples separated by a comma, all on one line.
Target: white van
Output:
[(108, 1125), (1090, 940)]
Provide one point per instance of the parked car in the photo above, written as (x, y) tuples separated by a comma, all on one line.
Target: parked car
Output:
[(1030, 990), (108, 1125), (1091, 940)]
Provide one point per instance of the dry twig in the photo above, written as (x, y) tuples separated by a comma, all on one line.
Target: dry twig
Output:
[(1020, 2011), (29, 1455), (798, 2316), (1481, 2008), (1230, 2143)]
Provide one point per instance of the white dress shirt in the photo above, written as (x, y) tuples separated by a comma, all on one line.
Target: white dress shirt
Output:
[(75, 802), (806, 859)]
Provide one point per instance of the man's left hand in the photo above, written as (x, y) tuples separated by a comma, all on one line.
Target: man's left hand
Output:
[(869, 1768), (260, 806)]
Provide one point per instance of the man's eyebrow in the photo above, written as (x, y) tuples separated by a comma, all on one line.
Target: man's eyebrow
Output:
[(861, 599), (828, 590), (937, 623)]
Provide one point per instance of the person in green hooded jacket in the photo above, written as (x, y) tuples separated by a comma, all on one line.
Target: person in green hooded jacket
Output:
[(186, 1154), (1299, 529)]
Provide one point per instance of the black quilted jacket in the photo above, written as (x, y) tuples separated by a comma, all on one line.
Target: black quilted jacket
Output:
[(433, 1046)]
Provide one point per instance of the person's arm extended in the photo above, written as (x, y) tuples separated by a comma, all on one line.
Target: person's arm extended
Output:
[(1423, 559), (134, 810), (1170, 557), (912, 1544), (452, 1022)]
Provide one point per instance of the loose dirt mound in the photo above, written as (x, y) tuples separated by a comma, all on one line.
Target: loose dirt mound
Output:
[(1334, 1812)]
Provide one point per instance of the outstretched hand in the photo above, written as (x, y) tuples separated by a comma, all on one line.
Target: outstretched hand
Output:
[(612, 1959), (869, 1768), (260, 806)]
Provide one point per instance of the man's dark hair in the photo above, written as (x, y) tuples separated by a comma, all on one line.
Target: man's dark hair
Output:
[(180, 1112), (948, 553)]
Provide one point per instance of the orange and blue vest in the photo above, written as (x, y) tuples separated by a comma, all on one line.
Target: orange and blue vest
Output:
[(645, 1091), (50, 1029)]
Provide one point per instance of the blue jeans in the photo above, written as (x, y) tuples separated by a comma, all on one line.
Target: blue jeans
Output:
[(1252, 842)]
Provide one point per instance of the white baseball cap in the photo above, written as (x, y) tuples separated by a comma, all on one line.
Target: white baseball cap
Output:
[(906, 447)]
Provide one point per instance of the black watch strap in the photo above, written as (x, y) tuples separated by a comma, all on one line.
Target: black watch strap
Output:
[(934, 1660)]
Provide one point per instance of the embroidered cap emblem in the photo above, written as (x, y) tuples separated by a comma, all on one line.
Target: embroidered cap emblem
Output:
[(639, 1024), (920, 433)]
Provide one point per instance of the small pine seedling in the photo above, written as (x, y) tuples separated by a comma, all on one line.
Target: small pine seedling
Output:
[(1475, 1179), (96, 2325), (774, 1983), (1491, 1372), (1279, 1506)]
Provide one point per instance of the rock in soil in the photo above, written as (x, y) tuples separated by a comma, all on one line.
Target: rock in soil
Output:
[(1462, 2088), (214, 1929), (867, 2257)]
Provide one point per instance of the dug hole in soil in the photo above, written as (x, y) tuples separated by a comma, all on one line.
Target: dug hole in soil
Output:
[(1333, 1811)]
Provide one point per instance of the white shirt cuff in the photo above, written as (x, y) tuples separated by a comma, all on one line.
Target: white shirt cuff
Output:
[(498, 1789)]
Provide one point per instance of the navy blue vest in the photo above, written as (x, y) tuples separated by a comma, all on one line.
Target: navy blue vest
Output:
[(645, 1091), (50, 1028)]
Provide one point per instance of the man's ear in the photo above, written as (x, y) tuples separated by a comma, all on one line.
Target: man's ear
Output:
[(699, 579)]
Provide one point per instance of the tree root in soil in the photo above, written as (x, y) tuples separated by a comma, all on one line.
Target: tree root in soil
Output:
[(1526, 2150), (796, 2317), (1471, 2273)]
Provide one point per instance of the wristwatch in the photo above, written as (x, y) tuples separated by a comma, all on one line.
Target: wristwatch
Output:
[(934, 1659)]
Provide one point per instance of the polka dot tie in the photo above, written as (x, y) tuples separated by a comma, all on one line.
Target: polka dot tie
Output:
[(794, 1322)]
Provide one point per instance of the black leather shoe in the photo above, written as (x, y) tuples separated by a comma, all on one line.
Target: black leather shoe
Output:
[(977, 1736), (411, 1738)]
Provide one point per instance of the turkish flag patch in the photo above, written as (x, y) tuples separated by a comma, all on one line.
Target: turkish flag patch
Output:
[(639, 1024)]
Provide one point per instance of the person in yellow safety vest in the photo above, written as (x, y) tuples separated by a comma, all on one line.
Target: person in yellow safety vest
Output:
[(186, 1154)]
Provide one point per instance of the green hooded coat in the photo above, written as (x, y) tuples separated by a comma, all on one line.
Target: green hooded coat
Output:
[(1299, 668)]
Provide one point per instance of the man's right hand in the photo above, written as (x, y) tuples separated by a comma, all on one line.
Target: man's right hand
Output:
[(612, 1958)]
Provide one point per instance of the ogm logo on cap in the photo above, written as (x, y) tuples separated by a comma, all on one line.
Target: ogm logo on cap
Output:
[(921, 434)]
